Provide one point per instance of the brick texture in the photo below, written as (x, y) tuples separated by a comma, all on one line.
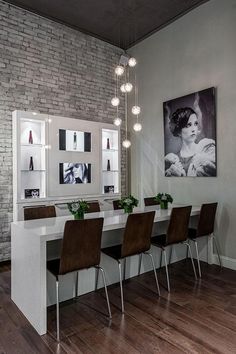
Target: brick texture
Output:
[(48, 68)]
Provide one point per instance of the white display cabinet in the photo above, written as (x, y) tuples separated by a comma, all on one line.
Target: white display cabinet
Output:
[(110, 161), (29, 156), (45, 146)]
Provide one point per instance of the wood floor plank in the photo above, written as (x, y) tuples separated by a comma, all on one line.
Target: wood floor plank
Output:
[(196, 317)]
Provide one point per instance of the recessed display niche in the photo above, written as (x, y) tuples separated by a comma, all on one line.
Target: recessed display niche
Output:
[(74, 173), (73, 140)]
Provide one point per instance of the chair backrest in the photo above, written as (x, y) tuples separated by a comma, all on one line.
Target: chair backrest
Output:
[(206, 219), (150, 201), (178, 225), (137, 234), (81, 244), (116, 204), (39, 212), (94, 207)]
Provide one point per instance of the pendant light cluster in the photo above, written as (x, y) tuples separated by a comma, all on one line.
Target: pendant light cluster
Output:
[(123, 71)]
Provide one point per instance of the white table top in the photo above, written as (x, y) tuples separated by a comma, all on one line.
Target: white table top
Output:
[(52, 228)]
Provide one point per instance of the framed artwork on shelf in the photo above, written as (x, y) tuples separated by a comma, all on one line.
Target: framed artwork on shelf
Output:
[(73, 140), (32, 193), (109, 189), (190, 135), (74, 173)]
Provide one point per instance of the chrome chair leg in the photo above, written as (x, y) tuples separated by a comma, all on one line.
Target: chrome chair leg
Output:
[(167, 273), (96, 278), (57, 299), (155, 273), (187, 252), (124, 269), (190, 252), (76, 284), (160, 259), (171, 249), (217, 249), (140, 262), (121, 287), (105, 286), (198, 261)]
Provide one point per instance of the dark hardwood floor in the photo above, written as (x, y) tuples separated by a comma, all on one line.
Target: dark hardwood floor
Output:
[(197, 317)]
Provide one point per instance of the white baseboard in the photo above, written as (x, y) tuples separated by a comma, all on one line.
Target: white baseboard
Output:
[(226, 261)]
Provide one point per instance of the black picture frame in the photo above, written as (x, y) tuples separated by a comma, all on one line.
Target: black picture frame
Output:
[(189, 117), (32, 193)]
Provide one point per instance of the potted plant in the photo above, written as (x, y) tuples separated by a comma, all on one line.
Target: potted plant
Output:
[(164, 199), (128, 203), (78, 208)]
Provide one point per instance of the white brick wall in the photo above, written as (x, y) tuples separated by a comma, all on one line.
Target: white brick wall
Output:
[(50, 68)]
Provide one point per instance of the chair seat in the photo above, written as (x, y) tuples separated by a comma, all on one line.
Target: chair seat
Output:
[(113, 251), (192, 233), (53, 266), (159, 241)]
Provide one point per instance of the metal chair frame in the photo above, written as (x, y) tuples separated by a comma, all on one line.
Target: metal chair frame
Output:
[(212, 236), (76, 295), (124, 275)]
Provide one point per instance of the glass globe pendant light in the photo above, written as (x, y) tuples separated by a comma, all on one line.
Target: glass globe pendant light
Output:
[(128, 87), (126, 143), (117, 121), (136, 110), (115, 101), (137, 127), (132, 62), (119, 70)]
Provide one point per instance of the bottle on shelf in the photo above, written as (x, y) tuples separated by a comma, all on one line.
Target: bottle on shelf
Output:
[(75, 141), (30, 137), (31, 164), (108, 144), (108, 165)]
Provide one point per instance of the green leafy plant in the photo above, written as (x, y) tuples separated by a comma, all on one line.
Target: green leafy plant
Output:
[(78, 208), (161, 197), (164, 199), (128, 203)]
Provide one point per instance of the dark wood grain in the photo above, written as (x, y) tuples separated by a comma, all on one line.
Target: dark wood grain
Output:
[(197, 317)]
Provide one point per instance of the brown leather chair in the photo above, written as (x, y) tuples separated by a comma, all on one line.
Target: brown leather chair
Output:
[(81, 249), (94, 207), (116, 204), (177, 232), (136, 240), (39, 212), (150, 201), (205, 227)]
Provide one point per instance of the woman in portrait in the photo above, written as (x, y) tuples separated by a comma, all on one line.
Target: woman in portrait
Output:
[(195, 157)]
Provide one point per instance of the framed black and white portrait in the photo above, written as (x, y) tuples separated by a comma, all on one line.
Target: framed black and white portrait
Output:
[(74, 173), (190, 135)]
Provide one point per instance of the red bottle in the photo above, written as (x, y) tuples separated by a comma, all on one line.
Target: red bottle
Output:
[(30, 137)]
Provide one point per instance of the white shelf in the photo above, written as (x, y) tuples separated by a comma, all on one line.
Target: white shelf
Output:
[(33, 170), (110, 171), (33, 145)]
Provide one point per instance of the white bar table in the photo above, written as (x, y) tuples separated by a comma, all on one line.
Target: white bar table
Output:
[(29, 255)]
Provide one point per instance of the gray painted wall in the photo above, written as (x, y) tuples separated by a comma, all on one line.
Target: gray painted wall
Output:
[(50, 68), (195, 52)]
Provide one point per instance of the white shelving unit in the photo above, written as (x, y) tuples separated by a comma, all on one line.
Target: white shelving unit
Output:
[(36, 139), (110, 162), (29, 156)]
